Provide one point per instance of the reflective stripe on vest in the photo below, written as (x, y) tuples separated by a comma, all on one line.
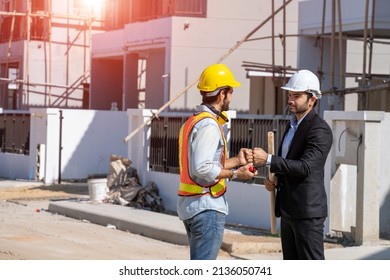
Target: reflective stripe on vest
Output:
[(189, 187)]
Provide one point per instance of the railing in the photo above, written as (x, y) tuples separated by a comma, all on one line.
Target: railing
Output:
[(189, 8), (151, 9), (15, 133), (164, 144), (246, 131), (251, 131), (121, 12)]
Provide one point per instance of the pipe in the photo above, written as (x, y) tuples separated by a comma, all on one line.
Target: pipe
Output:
[(365, 44), (60, 149), (332, 44), (341, 65), (273, 37), (371, 36)]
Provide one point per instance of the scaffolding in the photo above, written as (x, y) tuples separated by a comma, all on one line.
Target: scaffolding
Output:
[(368, 39), (85, 23)]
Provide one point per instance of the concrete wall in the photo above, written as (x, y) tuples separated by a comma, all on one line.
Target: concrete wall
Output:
[(15, 166), (359, 176), (384, 193), (88, 139)]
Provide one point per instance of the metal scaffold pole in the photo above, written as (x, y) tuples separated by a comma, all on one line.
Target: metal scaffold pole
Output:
[(26, 71), (4, 99)]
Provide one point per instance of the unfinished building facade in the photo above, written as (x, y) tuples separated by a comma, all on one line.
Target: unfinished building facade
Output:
[(123, 54), (156, 55), (44, 52)]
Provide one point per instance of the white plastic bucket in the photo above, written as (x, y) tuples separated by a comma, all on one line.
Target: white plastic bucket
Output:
[(97, 189)]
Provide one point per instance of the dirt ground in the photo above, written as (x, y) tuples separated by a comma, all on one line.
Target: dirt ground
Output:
[(36, 192), (30, 232)]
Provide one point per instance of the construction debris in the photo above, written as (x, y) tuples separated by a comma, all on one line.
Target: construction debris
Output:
[(125, 188)]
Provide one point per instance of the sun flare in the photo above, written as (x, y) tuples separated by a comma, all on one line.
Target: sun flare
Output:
[(93, 3)]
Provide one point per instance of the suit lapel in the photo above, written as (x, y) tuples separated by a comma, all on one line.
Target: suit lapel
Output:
[(301, 127)]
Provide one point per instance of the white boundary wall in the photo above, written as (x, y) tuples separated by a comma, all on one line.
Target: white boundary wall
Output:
[(89, 137)]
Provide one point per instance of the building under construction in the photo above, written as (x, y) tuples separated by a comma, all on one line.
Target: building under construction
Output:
[(141, 54), (44, 53)]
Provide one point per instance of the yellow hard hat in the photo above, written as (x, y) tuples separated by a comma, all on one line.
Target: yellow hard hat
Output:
[(216, 76)]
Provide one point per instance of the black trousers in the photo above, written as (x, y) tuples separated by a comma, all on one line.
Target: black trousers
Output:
[(302, 239)]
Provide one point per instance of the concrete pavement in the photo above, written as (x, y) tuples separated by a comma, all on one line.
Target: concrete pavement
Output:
[(170, 229), (239, 242)]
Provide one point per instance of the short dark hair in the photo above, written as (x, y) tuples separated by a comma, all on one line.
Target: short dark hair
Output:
[(211, 99), (309, 95)]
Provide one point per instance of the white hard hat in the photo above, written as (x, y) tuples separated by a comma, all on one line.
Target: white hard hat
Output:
[(304, 80)]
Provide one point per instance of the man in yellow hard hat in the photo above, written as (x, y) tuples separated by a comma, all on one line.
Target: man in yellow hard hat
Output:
[(204, 166)]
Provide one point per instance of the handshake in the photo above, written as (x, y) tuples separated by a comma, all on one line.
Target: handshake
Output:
[(256, 156), (246, 159)]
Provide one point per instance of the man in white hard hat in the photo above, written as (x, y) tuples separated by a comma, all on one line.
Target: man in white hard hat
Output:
[(301, 200)]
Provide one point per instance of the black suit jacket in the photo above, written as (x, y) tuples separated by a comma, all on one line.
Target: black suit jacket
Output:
[(300, 188)]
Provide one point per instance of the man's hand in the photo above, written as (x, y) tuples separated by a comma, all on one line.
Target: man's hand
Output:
[(269, 185), (246, 172), (259, 156), (245, 156)]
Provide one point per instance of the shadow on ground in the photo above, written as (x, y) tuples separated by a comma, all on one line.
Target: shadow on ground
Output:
[(65, 188)]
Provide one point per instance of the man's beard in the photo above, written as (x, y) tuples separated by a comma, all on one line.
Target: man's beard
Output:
[(299, 110), (225, 106)]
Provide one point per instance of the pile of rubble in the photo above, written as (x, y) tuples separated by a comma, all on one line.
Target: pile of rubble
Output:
[(125, 188)]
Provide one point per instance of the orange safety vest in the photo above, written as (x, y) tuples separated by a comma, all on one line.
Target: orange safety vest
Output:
[(189, 187)]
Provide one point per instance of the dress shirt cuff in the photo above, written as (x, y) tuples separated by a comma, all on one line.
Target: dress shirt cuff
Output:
[(269, 158)]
